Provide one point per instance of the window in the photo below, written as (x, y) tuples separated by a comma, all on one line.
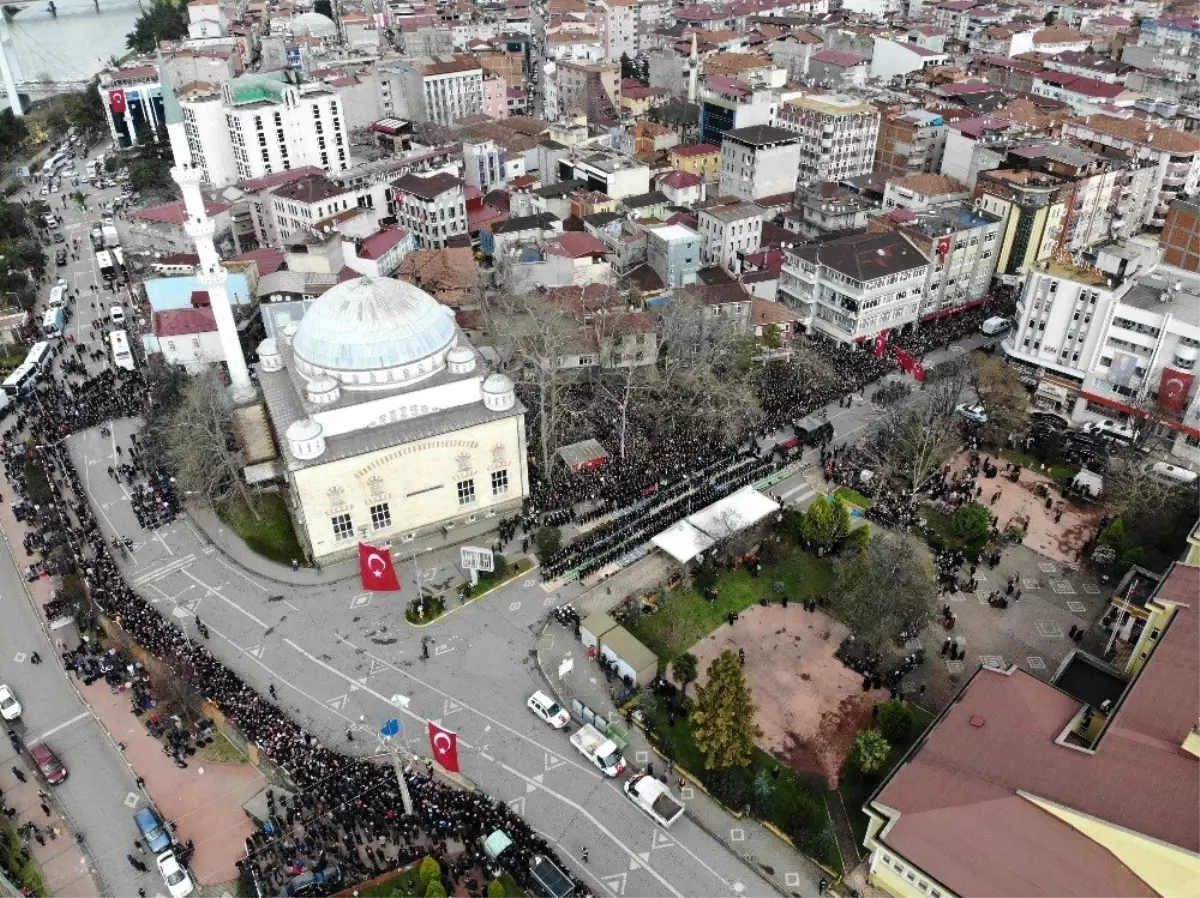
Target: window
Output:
[(343, 528), (466, 492), (381, 516), (499, 482)]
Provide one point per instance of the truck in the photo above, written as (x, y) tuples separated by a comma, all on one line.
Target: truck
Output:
[(97, 237), (110, 236), (654, 799), (599, 749)]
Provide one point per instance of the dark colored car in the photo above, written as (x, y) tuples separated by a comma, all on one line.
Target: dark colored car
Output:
[(59, 238), (314, 882), (150, 825), (48, 764), (60, 258)]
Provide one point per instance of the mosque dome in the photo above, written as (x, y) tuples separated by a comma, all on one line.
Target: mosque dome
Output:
[(374, 334), (499, 395), (312, 24)]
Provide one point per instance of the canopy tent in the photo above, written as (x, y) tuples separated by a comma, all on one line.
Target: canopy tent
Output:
[(584, 455), (726, 517)]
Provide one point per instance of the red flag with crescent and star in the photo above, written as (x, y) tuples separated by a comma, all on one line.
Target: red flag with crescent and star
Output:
[(116, 101), (376, 569), (445, 747), (1173, 389)]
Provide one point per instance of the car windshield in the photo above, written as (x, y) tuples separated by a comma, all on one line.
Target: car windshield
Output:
[(553, 710), (612, 760), (175, 877), (6, 700)]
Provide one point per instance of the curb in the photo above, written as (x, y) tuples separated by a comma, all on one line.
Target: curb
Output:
[(461, 605)]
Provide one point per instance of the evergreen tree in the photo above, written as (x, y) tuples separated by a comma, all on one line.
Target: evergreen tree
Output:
[(723, 716)]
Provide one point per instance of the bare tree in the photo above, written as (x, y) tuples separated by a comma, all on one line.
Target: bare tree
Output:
[(200, 443), (534, 337), (885, 589), (1132, 488), (1003, 396), (914, 439)]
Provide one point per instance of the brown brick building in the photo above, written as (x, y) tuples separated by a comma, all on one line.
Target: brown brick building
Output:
[(1180, 239)]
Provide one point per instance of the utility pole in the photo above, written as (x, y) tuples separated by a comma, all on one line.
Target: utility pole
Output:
[(388, 734)]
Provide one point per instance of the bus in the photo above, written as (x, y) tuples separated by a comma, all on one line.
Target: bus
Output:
[(119, 258), (16, 382), (38, 356), (104, 260), (118, 342), (52, 323), (58, 298)]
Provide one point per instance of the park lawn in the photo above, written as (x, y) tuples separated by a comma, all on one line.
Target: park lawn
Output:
[(854, 497), (688, 617), (796, 804), (399, 884), (942, 535), (1061, 474), (273, 536), (855, 788), (221, 751), (26, 872)]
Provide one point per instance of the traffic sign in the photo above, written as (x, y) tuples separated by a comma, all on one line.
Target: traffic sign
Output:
[(476, 559), (390, 729)]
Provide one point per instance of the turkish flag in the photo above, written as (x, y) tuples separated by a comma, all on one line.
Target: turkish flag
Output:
[(445, 747), (904, 360), (376, 569), (116, 100), (881, 343), (1173, 390), (918, 371)]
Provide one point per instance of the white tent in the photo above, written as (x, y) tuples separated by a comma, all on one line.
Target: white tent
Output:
[(701, 531)]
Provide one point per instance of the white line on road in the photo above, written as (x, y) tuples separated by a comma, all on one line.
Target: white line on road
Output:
[(226, 600), (242, 574), (62, 726), (583, 812)]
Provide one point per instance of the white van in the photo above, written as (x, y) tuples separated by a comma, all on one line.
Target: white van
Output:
[(994, 327), (117, 314), (1172, 473)]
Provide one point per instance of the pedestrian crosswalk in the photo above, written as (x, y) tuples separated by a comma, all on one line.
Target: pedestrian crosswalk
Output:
[(796, 495)]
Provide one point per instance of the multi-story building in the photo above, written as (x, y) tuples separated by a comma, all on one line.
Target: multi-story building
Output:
[(1082, 785), (759, 161), (673, 252), (593, 89), (206, 133), (433, 209), (910, 143), (960, 244), (703, 159), (1180, 237), (826, 209), (853, 287), (483, 164), (1033, 204), (727, 104), (610, 173), (837, 136), (620, 28), (299, 206), (275, 125), (918, 192), (133, 103), (439, 89), (1176, 154), (728, 232)]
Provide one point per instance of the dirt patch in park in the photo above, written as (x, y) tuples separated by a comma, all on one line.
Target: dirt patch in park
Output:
[(809, 704)]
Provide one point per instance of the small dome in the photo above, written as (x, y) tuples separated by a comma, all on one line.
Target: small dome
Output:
[(306, 439), (374, 331), (461, 360), (323, 391), (498, 393), (268, 355), (497, 383), (289, 331), (312, 24)]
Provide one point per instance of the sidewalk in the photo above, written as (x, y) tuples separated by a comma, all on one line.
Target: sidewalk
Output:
[(777, 862)]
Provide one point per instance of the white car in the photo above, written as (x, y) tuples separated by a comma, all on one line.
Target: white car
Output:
[(179, 882), (117, 314), (10, 708), (973, 413), (548, 710)]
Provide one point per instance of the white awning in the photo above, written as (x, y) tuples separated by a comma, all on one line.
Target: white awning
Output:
[(682, 541), (701, 531)]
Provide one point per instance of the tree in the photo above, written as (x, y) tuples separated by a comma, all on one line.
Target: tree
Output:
[(323, 7), (85, 109), (885, 589), (200, 443), (972, 523), (164, 20), (897, 721), (435, 889), (870, 751), (13, 132), (723, 715), (772, 337), (999, 388), (429, 871), (685, 668), (913, 440), (1131, 486), (858, 540), (166, 385), (152, 178), (548, 541), (495, 889), (825, 524)]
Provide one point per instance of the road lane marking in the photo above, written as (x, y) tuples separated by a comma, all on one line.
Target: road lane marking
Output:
[(62, 726), (227, 601)]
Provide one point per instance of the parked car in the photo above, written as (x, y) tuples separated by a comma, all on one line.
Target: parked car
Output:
[(48, 764), (548, 710), (152, 829), (60, 257), (315, 882), (178, 880), (10, 708), (976, 413), (59, 238)]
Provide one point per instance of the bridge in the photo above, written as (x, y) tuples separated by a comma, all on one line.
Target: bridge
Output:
[(8, 84), (46, 87)]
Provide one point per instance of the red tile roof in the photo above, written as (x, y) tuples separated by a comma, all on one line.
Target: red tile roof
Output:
[(268, 260), (174, 213), (377, 244), (695, 149), (279, 178), (576, 245), (178, 322), (680, 180), (841, 58)]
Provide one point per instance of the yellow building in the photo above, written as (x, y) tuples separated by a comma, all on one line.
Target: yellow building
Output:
[(390, 424), (1087, 787), (703, 159), (1034, 205)]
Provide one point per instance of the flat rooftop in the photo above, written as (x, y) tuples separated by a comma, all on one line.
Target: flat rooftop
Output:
[(1147, 291)]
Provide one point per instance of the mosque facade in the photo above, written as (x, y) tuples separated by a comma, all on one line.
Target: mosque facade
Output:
[(389, 423)]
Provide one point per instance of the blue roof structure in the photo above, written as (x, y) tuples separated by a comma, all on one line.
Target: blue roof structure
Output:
[(169, 294)]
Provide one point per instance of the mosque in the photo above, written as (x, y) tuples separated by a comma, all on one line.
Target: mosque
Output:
[(389, 424)]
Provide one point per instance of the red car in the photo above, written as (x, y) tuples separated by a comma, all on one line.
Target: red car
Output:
[(48, 764)]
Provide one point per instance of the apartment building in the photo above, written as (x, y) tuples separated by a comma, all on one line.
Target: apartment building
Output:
[(620, 28), (910, 143), (729, 231), (608, 172), (205, 132), (851, 288), (674, 253), (432, 208), (439, 89), (837, 136), (593, 89), (960, 244), (274, 125), (727, 104), (1175, 153), (703, 159), (827, 208), (918, 192), (298, 207), (1034, 205), (759, 161)]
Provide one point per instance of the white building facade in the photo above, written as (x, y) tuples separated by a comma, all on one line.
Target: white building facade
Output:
[(837, 136), (759, 161)]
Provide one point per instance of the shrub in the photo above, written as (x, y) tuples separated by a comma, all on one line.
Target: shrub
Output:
[(548, 541), (495, 889), (897, 721), (435, 889), (429, 871), (870, 751)]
